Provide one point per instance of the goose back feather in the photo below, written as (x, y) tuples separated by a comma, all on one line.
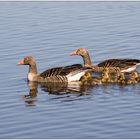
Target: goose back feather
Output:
[(123, 64), (63, 71), (119, 62)]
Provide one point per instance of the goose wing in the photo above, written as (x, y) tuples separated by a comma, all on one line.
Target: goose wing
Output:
[(62, 71), (121, 63)]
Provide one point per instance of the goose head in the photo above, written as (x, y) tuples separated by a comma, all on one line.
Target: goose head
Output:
[(85, 55), (28, 60), (80, 51)]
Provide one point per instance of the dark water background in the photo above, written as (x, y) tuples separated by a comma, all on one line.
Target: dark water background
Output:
[(50, 31)]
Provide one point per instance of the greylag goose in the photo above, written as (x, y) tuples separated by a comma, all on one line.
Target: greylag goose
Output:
[(119, 66), (59, 74)]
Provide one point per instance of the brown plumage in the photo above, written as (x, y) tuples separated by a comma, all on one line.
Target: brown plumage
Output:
[(61, 70), (122, 64), (118, 66), (59, 74)]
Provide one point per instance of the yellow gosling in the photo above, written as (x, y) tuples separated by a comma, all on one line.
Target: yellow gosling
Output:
[(89, 80), (84, 79), (134, 78), (121, 78), (105, 75)]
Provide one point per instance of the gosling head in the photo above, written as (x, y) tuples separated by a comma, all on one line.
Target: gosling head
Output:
[(134, 75)]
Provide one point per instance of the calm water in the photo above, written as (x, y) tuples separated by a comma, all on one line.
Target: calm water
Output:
[(50, 31)]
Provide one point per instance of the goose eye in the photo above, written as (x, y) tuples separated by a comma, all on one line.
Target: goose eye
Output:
[(26, 62)]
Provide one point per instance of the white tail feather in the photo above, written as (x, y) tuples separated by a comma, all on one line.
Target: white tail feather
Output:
[(76, 75), (138, 67), (133, 68)]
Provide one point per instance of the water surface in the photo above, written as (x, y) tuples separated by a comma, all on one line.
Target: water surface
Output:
[(50, 31)]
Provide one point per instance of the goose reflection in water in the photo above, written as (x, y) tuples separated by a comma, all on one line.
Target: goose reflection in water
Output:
[(30, 98), (52, 88)]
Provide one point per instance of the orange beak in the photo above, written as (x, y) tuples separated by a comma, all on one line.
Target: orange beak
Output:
[(73, 53), (20, 62)]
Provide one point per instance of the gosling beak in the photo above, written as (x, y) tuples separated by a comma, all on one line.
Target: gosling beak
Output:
[(73, 53), (20, 62)]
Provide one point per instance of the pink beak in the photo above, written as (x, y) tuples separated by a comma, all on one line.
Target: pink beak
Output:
[(20, 62)]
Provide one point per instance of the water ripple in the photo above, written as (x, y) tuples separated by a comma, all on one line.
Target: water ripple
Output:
[(50, 31)]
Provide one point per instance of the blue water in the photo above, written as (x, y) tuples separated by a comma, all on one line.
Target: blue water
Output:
[(50, 31)]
